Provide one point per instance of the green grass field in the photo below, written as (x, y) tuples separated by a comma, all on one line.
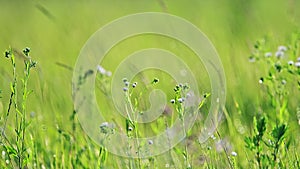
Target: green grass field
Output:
[(261, 119)]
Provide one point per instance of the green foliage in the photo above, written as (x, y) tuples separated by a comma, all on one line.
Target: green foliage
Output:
[(16, 146), (271, 147)]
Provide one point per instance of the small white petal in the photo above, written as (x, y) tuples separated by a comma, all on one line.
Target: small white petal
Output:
[(279, 54), (282, 48), (268, 54), (101, 70), (233, 153), (108, 73), (290, 62)]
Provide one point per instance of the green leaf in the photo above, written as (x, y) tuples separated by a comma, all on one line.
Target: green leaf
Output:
[(278, 132)]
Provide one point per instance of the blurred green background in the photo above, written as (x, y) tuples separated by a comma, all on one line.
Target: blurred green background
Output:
[(56, 31)]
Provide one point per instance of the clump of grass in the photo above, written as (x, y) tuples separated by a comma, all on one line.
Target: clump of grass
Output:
[(15, 143)]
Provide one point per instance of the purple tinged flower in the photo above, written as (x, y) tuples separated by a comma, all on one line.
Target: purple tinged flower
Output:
[(279, 54), (101, 70), (268, 54), (282, 48)]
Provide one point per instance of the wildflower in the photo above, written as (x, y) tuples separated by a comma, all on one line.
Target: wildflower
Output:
[(150, 142), (172, 101), (134, 84), (188, 95), (104, 124), (126, 83), (283, 82), (108, 73), (101, 70), (261, 80), (297, 64), (124, 80), (106, 128), (180, 100), (290, 62), (130, 128), (282, 48), (298, 59), (3, 153), (268, 54), (234, 154), (279, 54), (125, 89)]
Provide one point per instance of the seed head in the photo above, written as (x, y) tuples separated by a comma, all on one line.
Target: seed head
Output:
[(155, 80), (124, 80), (7, 53), (26, 51)]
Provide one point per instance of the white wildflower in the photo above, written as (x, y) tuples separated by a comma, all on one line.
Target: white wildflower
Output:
[(279, 54), (233, 153), (180, 100), (101, 70), (282, 48), (268, 54), (108, 73), (150, 142), (290, 62)]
